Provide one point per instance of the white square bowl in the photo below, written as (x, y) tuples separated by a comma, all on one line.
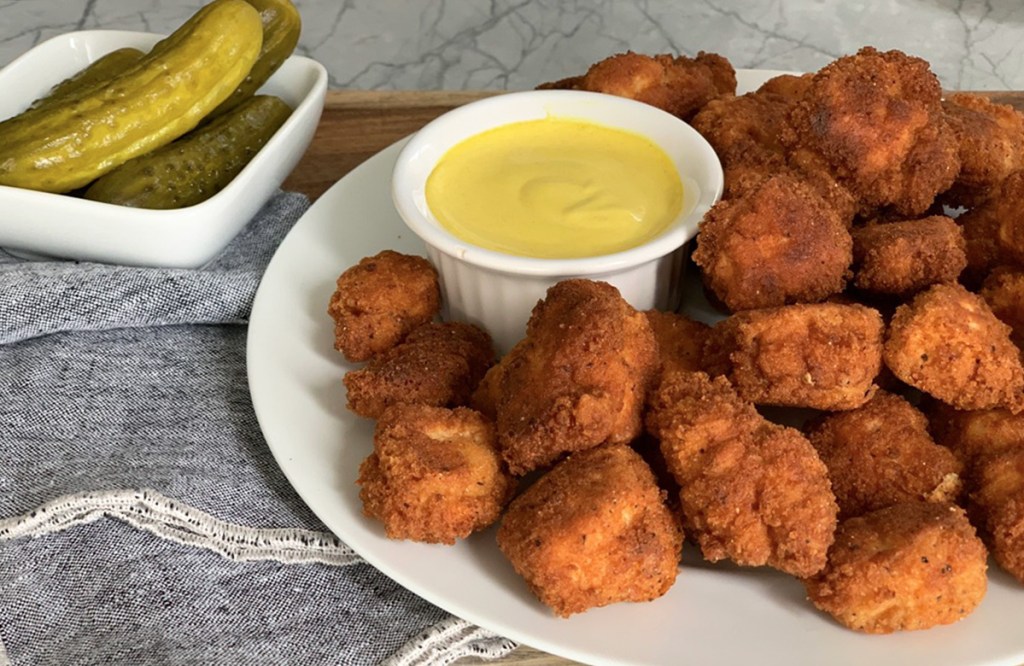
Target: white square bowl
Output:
[(69, 227)]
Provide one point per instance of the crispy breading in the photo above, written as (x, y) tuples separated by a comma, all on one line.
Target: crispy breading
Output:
[(745, 128), (778, 244), (677, 84), (821, 355), (790, 86), (593, 531), (996, 487), (990, 139), (578, 379), (876, 119), (906, 567), (975, 433), (751, 491), (1003, 290), (901, 258), (947, 343), (434, 475), (380, 300), (680, 340), (438, 364), (882, 454)]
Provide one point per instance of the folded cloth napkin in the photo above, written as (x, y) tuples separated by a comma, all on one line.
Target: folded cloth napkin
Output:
[(142, 517)]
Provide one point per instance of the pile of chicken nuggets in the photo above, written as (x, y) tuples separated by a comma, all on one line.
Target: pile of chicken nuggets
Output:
[(867, 258)]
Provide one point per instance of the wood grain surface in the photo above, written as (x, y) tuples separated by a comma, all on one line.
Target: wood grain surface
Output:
[(356, 125)]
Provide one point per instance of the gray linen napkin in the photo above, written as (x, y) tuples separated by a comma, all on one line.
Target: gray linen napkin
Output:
[(142, 517)]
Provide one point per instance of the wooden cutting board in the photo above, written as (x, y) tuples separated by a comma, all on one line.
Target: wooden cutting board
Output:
[(358, 124)]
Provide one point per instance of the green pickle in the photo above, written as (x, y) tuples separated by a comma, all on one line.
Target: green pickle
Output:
[(199, 164), (282, 26), (98, 73)]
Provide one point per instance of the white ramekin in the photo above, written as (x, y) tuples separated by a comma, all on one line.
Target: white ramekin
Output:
[(498, 291)]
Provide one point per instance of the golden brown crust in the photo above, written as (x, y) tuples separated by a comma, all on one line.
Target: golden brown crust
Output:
[(434, 474), (578, 379), (997, 499), (379, 300), (778, 244), (1003, 290), (906, 567), (822, 356), (882, 454), (750, 491), (437, 364), (901, 258), (593, 531), (990, 139), (677, 84), (947, 343), (680, 340), (876, 118)]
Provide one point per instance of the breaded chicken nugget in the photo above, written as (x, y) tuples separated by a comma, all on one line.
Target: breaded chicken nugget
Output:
[(680, 340), (434, 474), (778, 244), (901, 258), (379, 300), (750, 491), (996, 487), (437, 364), (790, 86), (994, 230), (677, 84), (973, 434), (881, 454), (876, 119), (822, 356), (990, 138), (909, 566), (593, 531), (947, 343), (1003, 290), (578, 379), (745, 128)]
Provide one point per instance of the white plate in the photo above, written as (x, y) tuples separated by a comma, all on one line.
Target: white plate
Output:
[(712, 615), (69, 227)]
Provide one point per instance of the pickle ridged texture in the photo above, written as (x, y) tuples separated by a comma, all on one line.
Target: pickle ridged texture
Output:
[(164, 96), (199, 164), (282, 26)]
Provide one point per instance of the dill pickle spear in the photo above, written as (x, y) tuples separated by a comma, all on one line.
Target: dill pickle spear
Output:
[(98, 73), (199, 164)]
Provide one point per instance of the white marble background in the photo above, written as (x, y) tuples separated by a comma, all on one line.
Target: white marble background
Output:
[(515, 44)]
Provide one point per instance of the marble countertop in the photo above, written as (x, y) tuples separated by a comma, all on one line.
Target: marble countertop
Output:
[(516, 44)]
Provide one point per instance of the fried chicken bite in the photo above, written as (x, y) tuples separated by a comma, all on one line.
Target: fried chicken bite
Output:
[(994, 230), (901, 258), (380, 300), (975, 433), (882, 454), (1003, 290), (677, 84), (990, 138), (906, 567), (744, 131), (790, 86), (438, 364), (778, 244), (876, 119), (996, 490), (947, 343), (593, 531), (751, 491), (434, 475), (578, 379), (820, 356), (680, 340)]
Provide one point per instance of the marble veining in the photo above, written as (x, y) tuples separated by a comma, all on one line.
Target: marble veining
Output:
[(516, 44)]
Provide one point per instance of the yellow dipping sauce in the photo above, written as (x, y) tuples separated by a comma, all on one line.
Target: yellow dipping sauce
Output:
[(555, 188)]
